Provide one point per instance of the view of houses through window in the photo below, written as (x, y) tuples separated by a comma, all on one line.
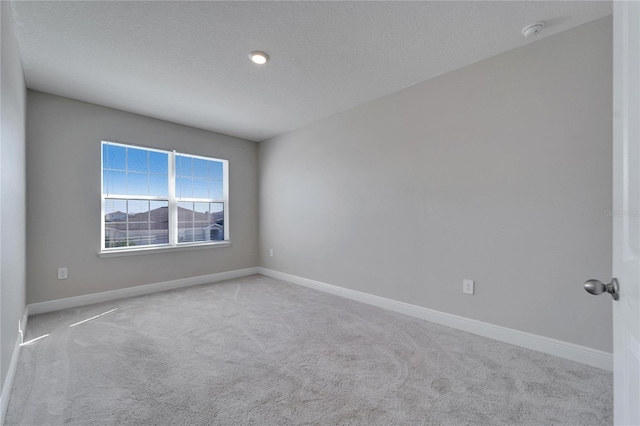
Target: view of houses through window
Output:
[(143, 196)]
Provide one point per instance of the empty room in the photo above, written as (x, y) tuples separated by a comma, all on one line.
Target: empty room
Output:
[(320, 213)]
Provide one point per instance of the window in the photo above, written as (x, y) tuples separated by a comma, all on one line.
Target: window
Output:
[(153, 199)]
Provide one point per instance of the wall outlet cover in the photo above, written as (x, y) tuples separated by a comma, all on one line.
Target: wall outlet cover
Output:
[(467, 286), (63, 273)]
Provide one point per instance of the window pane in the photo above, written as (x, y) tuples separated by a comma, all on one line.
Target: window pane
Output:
[(200, 189), (130, 223), (134, 227), (199, 178), (159, 233), (159, 185), (217, 208), (183, 166), (200, 231), (184, 188), (138, 235), (215, 170), (137, 160), (200, 212), (138, 217), (159, 163), (137, 184), (185, 232), (159, 211), (185, 222), (216, 231), (114, 157), (115, 227), (159, 226), (138, 210), (114, 182), (115, 210), (134, 171), (115, 235), (185, 212), (200, 168), (215, 189), (200, 222)]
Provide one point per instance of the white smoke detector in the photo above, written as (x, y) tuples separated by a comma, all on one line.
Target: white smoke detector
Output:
[(533, 29)]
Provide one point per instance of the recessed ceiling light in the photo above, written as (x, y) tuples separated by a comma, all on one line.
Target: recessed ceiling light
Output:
[(259, 57), (533, 29)]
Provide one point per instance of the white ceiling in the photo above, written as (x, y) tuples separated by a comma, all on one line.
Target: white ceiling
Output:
[(187, 62)]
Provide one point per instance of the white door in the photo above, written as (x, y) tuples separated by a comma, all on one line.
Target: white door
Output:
[(626, 202)]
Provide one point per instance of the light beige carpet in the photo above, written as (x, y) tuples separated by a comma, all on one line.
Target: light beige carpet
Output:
[(257, 351)]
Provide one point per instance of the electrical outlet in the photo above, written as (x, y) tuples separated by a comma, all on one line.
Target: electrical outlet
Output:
[(467, 286), (63, 273), (271, 252)]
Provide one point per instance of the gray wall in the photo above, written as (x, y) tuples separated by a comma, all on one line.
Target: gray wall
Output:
[(499, 172), (63, 217), (12, 190)]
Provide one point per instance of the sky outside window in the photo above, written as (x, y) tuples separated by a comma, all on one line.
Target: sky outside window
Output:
[(132, 171), (198, 178)]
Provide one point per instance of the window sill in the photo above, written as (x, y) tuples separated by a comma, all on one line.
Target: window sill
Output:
[(162, 249)]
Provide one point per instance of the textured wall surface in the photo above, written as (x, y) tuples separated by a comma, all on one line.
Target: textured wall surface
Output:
[(12, 191), (499, 172), (63, 156)]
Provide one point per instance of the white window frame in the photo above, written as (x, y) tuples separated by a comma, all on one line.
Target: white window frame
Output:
[(173, 200)]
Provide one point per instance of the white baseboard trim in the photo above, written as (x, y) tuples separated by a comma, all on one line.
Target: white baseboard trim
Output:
[(88, 299), (13, 366), (559, 348)]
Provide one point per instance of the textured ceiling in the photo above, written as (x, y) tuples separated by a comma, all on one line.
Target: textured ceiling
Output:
[(187, 62)]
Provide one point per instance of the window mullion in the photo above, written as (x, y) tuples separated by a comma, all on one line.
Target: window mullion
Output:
[(225, 196), (173, 204), (102, 225), (128, 237), (134, 197)]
